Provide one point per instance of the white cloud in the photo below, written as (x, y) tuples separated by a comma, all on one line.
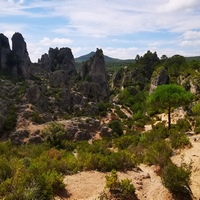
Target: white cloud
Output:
[(55, 42), (105, 22), (38, 48), (190, 43), (121, 53), (16, 2), (177, 5), (191, 35)]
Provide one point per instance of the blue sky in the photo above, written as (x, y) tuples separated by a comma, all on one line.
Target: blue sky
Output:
[(122, 28)]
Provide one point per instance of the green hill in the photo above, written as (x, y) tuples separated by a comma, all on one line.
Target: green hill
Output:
[(107, 58)]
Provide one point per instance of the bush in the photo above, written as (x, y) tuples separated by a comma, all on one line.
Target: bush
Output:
[(123, 189), (33, 171), (176, 178), (127, 187), (116, 127), (11, 118), (112, 181), (159, 132), (98, 156), (158, 153), (5, 170), (196, 109), (125, 141), (120, 113), (178, 139), (55, 134), (183, 125), (197, 125), (37, 118)]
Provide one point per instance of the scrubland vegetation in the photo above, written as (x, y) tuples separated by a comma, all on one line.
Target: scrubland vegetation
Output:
[(36, 171)]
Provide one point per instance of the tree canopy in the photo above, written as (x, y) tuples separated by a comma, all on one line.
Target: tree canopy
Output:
[(168, 96)]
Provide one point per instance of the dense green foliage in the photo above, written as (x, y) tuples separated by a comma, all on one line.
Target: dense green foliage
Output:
[(29, 172)]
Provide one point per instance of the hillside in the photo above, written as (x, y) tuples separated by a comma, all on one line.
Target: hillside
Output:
[(62, 126)]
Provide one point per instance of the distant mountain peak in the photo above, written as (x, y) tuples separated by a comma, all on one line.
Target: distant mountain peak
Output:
[(91, 54)]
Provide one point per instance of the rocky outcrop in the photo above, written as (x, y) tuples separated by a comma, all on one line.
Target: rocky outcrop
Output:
[(4, 50), (159, 77), (45, 62), (105, 131), (59, 59), (19, 136), (71, 101), (93, 72), (35, 95), (190, 83), (58, 78), (139, 75), (82, 128), (117, 78), (19, 49)]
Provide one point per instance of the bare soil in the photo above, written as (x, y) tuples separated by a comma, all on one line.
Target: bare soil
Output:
[(90, 184)]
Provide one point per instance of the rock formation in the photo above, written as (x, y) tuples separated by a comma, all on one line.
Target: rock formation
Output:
[(59, 59), (35, 95), (58, 78), (159, 77), (45, 62), (4, 51), (93, 71), (19, 49)]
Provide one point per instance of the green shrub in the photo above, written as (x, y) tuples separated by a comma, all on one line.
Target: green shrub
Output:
[(11, 118), (98, 156), (197, 125), (159, 132), (116, 127), (33, 171), (127, 187), (158, 153), (55, 134), (125, 141), (37, 118), (183, 125), (123, 189), (196, 109), (120, 113), (178, 139), (112, 181), (175, 178), (5, 169)]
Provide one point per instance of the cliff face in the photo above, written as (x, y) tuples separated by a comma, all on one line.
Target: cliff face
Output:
[(20, 50), (4, 50)]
